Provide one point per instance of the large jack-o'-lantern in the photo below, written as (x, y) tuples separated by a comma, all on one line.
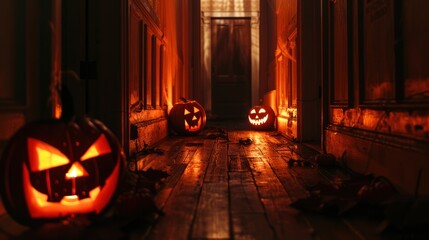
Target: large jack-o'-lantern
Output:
[(261, 117), (52, 169), (187, 117)]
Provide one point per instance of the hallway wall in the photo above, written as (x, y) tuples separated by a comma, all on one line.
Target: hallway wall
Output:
[(378, 98), (375, 93), (159, 72), (141, 52), (30, 62), (282, 61), (125, 62)]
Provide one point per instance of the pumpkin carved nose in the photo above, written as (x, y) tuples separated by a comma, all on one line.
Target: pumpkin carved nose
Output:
[(194, 118), (75, 171)]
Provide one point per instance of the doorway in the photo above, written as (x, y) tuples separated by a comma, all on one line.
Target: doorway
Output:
[(231, 67)]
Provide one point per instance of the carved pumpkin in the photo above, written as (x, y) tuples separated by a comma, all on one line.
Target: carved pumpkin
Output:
[(261, 117), (187, 117), (52, 169), (56, 168)]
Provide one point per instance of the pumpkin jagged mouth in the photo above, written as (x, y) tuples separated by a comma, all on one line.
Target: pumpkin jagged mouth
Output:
[(42, 199), (96, 200), (258, 121), (193, 128)]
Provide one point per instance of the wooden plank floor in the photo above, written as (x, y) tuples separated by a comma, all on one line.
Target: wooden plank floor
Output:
[(219, 188)]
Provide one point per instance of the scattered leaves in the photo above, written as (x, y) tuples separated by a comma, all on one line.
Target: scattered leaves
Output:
[(137, 193), (215, 133), (245, 142), (149, 150), (361, 194), (302, 163)]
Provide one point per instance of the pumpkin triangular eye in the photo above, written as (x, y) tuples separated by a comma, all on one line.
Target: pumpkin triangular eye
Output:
[(99, 147), (253, 111), (43, 156), (196, 110), (262, 110), (186, 112)]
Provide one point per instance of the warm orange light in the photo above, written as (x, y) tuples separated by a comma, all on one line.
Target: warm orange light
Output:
[(99, 147), (39, 207), (58, 111), (187, 117), (76, 170), (43, 156), (74, 200), (70, 200), (261, 117), (256, 121), (193, 128)]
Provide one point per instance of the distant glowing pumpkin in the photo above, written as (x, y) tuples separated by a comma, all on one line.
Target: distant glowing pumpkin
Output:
[(52, 169), (187, 117), (261, 117)]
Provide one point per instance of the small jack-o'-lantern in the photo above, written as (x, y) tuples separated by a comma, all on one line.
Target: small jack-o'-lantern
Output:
[(261, 117), (187, 117), (52, 169)]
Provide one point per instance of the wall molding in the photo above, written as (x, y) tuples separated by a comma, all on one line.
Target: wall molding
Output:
[(145, 123), (392, 140)]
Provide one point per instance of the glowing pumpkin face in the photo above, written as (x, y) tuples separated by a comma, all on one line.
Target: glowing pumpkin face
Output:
[(52, 169), (261, 117), (187, 117)]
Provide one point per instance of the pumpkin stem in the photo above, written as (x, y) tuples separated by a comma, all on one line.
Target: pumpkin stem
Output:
[(67, 106), (183, 99)]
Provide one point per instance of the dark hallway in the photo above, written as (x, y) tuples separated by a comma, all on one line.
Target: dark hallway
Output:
[(214, 119)]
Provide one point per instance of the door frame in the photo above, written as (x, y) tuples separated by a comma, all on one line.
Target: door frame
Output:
[(205, 65), (311, 74)]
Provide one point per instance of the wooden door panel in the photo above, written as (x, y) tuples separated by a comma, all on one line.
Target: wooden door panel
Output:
[(231, 67)]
